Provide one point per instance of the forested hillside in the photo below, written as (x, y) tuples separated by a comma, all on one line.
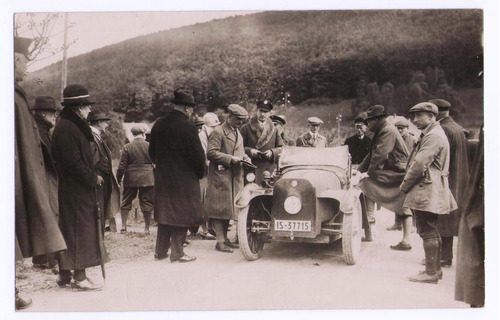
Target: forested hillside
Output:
[(396, 58)]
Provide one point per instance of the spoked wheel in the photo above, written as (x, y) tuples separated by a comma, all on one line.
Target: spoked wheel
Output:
[(351, 234), (251, 243)]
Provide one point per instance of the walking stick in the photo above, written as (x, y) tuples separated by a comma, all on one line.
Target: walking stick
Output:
[(100, 240)]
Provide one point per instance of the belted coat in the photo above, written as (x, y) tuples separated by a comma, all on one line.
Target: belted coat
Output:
[(262, 139), (37, 232), (136, 168), (176, 151), (225, 180), (72, 153), (426, 181), (459, 175)]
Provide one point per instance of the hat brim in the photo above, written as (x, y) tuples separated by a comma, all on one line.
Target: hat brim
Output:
[(384, 115), (77, 103), (183, 103)]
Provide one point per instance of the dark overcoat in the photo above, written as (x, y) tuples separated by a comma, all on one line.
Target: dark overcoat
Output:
[(136, 168), (71, 149), (385, 165), (469, 281), (37, 232), (50, 168), (225, 180), (176, 151), (358, 148), (459, 175), (262, 139)]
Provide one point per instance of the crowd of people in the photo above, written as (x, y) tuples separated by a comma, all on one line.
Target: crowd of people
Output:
[(188, 175)]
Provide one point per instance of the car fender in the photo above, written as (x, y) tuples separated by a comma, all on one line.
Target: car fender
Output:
[(250, 191), (346, 198)]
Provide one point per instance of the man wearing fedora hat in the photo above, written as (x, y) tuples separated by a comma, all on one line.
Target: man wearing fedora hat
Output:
[(45, 110), (382, 171), (459, 175), (261, 140), (137, 171), (312, 138), (37, 232), (176, 151), (73, 154), (426, 186), (359, 143), (109, 191)]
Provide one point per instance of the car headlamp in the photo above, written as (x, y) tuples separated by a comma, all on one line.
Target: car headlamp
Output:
[(250, 177), (292, 205)]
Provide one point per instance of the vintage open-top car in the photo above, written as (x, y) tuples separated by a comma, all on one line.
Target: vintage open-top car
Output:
[(309, 198)]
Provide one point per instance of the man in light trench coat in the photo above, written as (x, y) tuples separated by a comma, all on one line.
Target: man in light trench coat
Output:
[(225, 174)]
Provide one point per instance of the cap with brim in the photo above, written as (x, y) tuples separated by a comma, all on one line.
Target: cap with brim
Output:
[(278, 118), (199, 122), (314, 120), (264, 105), (45, 103), (97, 116), (139, 129), (238, 111), (210, 119), (442, 105), (21, 45), (376, 111), (401, 122), (184, 98), (424, 107), (360, 118), (76, 95)]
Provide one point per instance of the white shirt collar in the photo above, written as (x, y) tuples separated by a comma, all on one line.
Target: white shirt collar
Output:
[(96, 131)]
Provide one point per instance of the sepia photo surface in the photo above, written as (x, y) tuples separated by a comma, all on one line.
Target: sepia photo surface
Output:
[(319, 67)]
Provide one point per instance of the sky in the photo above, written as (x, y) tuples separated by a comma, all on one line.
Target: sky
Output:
[(94, 30)]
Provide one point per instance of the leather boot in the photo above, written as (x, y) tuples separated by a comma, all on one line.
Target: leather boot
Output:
[(368, 233), (431, 248), (124, 214), (147, 221)]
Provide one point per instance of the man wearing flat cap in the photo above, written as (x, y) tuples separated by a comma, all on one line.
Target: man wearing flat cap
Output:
[(262, 141), (136, 169), (109, 192), (382, 171), (359, 143), (312, 138), (426, 187), (279, 121), (45, 110), (176, 151), (72, 141), (225, 174), (459, 175), (37, 232)]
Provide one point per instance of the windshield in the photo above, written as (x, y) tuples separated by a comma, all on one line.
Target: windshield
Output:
[(300, 156)]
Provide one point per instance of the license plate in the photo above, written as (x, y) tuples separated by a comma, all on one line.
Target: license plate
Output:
[(292, 225)]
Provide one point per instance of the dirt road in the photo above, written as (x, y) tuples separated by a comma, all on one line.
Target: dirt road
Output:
[(288, 276)]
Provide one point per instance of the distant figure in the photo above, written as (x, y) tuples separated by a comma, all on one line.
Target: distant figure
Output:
[(402, 125), (137, 171), (225, 174), (359, 144), (78, 179), (110, 191), (312, 138), (458, 178), (37, 232), (45, 111), (198, 123), (263, 143), (426, 187), (175, 149), (280, 122)]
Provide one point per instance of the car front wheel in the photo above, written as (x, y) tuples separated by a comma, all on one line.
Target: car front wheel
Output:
[(351, 234), (251, 242)]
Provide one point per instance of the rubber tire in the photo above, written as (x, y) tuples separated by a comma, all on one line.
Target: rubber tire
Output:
[(351, 235), (248, 253)]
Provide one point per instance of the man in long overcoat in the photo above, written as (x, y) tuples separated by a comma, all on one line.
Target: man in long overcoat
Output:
[(37, 232), (109, 194), (176, 151), (72, 152), (459, 175), (45, 110), (426, 187), (263, 143), (137, 171), (383, 170), (225, 174)]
